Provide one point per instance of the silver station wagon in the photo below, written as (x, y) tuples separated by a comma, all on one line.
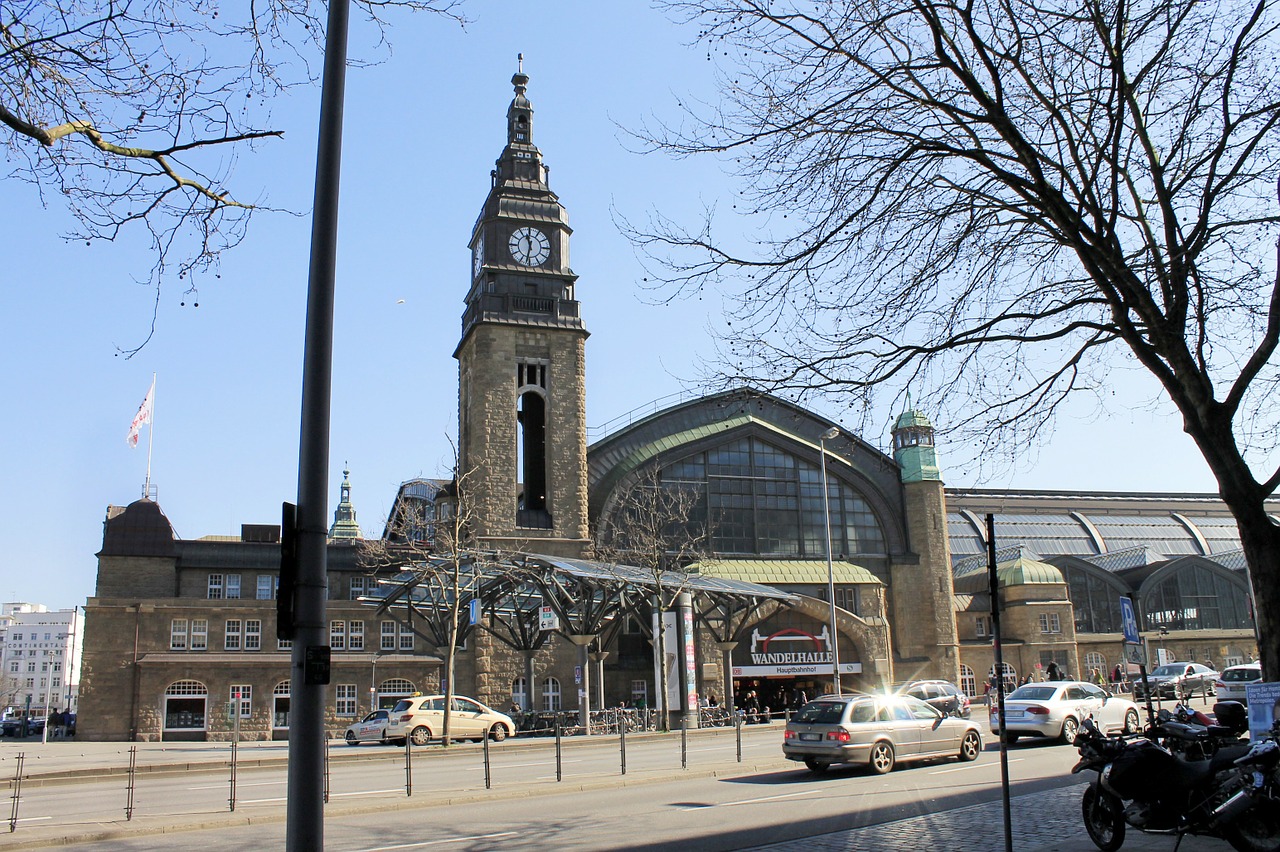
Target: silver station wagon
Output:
[(877, 731)]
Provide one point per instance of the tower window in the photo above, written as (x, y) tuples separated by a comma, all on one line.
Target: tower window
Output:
[(531, 375)]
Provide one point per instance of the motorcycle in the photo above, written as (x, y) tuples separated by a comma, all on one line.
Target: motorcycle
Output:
[(1192, 735), (1233, 794)]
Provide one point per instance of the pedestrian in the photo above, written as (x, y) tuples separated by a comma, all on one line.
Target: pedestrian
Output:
[(1052, 672), (1116, 674)]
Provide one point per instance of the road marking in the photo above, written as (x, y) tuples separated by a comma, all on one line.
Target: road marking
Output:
[(239, 784), (426, 843), (974, 765), (399, 790), (749, 801), (32, 819)]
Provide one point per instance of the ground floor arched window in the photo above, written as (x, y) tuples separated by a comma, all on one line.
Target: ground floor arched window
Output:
[(520, 692), (1094, 662), (185, 706), (551, 694), (1010, 677), (391, 690), (280, 705), (968, 681)]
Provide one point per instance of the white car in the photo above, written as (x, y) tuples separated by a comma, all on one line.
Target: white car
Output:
[(1056, 709), (370, 729), (421, 719), (1234, 682)]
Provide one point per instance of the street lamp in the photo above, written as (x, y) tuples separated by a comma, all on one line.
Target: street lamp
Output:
[(831, 579)]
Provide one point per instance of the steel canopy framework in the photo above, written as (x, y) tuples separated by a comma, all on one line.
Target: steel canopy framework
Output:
[(588, 598)]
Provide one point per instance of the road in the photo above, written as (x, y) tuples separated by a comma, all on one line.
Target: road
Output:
[(716, 803)]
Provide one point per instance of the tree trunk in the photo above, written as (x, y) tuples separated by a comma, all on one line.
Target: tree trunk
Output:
[(664, 718), (1260, 538)]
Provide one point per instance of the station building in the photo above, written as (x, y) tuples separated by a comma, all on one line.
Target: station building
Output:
[(180, 634)]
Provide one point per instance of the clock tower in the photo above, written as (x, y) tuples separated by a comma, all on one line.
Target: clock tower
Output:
[(521, 361)]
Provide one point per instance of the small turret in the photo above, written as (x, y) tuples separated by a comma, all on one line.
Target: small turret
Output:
[(913, 448), (344, 517)]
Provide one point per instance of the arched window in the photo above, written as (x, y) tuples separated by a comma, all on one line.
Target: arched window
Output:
[(968, 681), (184, 706), (396, 687), (1010, 677), (551, 694), (280, 704), (1093, 661), (520, 693), (1096, 602), (1194, 597), (768, 502)]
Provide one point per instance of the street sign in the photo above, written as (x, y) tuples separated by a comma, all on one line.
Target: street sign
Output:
[(547, 619), (577, 674), (1135, 654), (1129, 621), (474, 609)]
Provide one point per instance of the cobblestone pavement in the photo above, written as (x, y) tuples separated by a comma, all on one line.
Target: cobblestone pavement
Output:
[(1042, 822)]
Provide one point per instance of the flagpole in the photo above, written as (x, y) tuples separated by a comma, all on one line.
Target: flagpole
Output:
[(151, 436)]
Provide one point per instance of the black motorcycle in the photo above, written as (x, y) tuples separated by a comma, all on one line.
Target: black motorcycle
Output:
[(1233, 793)]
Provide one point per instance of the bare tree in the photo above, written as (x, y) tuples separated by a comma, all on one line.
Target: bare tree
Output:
[(133, 112), (655, 525), (1000, 204)]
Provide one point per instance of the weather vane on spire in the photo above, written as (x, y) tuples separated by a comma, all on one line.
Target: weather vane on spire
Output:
[(520, 63)]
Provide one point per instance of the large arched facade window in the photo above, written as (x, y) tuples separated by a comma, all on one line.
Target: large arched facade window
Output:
[(1194, 596), (758, 499), (1095, 597)]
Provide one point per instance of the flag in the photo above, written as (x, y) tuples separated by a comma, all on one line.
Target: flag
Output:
[(143, 415)]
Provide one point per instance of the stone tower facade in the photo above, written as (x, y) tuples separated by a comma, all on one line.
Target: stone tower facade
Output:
[(521, 361), (923, 592)]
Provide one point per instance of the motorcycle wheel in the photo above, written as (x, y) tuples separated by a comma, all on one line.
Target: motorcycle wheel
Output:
[(1103, 819), (1257, 829)]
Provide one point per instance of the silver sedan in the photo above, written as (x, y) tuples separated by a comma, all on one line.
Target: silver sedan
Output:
[(1056, 709), (877, 731)]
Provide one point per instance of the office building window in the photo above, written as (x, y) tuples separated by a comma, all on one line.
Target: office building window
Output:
[(338, 635), (178, 634), (266, 587), (1049, 623), (355, 635), (346, 699), (233, 586), (199, 634), (388, 636), (360, 586), (215, 587), (232, 635), (253, 635)]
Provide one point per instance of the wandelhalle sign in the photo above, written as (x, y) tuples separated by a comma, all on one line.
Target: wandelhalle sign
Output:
[(790, 652)]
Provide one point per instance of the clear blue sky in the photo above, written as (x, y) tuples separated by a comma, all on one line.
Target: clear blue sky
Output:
[(422, 131)]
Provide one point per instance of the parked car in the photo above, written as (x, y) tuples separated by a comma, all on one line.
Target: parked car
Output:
[(12, 727), (940, 694), (421, 719), (370, 729), (1179, 681), (1057, 708), (878, 731), (1233, 683)]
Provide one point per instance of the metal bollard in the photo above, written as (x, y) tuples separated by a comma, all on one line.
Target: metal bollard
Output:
[(231, 795), (408, 766), (559, 761), (684, 743), (622, 742), (327, 744), (737, 733), (488, 780), (17, 793), (133, 776)]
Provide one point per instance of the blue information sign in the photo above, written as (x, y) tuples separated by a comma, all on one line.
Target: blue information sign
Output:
[(1129, 621)]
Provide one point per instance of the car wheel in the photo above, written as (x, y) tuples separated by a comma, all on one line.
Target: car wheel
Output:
[(881, 758), (1070, 727), (420, 735), (1132, 724), (817, 767), (351, 738), (1010, 739), (970, 746), (498, 733)]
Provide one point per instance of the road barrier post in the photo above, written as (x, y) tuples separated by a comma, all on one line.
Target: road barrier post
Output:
[(231, 794), (488, 780), (408, 765), (622, 742), (737, 733), (559, 761), (684, 743), (17, 794), (132, 779)]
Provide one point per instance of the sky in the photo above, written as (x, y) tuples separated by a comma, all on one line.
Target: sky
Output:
[(421, 132)]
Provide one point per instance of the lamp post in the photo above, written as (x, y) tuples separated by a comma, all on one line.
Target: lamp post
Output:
[(831, 579)]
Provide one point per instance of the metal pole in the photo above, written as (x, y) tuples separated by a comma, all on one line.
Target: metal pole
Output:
[(133, 776), (622, 742), (17, 793), (994, 585), (737, 733), (305, 811), (488, 779), (684, 742), (408, 765), (831, 579), (231, 796), (559, 761)]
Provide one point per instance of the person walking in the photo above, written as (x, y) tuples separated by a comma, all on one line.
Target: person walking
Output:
[(1052, 672)]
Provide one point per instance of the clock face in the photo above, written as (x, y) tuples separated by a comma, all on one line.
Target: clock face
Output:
[(477, 259), (529, 246)]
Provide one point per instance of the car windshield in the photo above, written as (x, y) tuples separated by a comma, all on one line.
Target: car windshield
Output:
[(820, 712), (1170, 671), (402, 705), (1242, 674), (1032, 692)]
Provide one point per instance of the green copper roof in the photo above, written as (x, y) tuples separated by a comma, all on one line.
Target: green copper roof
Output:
[(911, 417), (1021, 571), (344, 517), (784, 571)]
